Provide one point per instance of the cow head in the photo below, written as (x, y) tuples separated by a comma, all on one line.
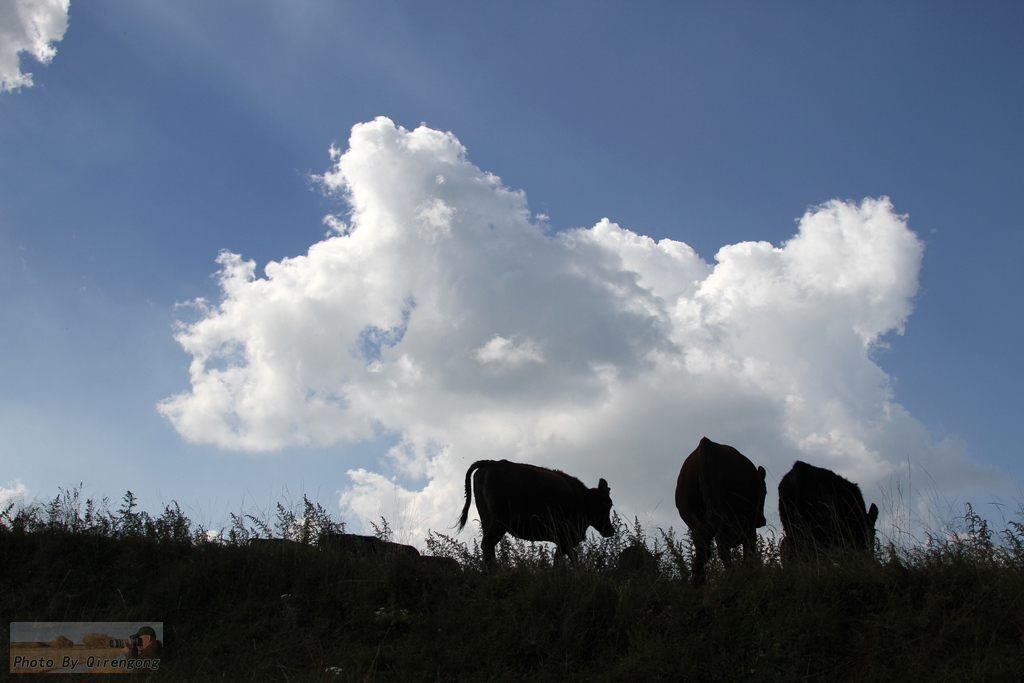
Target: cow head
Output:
[(762, 492), (600, 509)]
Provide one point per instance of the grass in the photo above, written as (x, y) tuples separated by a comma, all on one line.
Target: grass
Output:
[(951, 609)]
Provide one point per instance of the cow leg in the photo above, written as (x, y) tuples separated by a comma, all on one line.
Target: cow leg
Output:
[(750, 552), (490, 541), (566, 537), (794, 548), (786, 550), (724, 550), (701, 552)]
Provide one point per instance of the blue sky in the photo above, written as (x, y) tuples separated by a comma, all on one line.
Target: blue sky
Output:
[(163, 133)]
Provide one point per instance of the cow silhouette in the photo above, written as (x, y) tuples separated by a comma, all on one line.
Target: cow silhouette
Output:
[(365, 546), (822, 511), (720, 495), (534, 504)]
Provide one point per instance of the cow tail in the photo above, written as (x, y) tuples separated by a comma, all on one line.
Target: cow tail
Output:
[(469, 492)]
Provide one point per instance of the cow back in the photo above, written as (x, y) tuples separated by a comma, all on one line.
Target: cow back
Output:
[(529, 500), (720, 486)]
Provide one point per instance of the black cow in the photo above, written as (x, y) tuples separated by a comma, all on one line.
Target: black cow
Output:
[(535, 504), (821, 510), (365, 546), (720, 495)]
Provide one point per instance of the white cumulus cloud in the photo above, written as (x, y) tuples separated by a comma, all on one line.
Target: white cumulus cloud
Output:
[(13, 493), (441, 310), (30, 27)]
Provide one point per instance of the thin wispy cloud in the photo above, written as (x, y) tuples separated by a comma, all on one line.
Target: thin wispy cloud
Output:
[(441, 310)]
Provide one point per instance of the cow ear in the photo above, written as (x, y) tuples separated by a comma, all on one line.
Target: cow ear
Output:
[(873, 514), (603, 486), (760, 470)]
